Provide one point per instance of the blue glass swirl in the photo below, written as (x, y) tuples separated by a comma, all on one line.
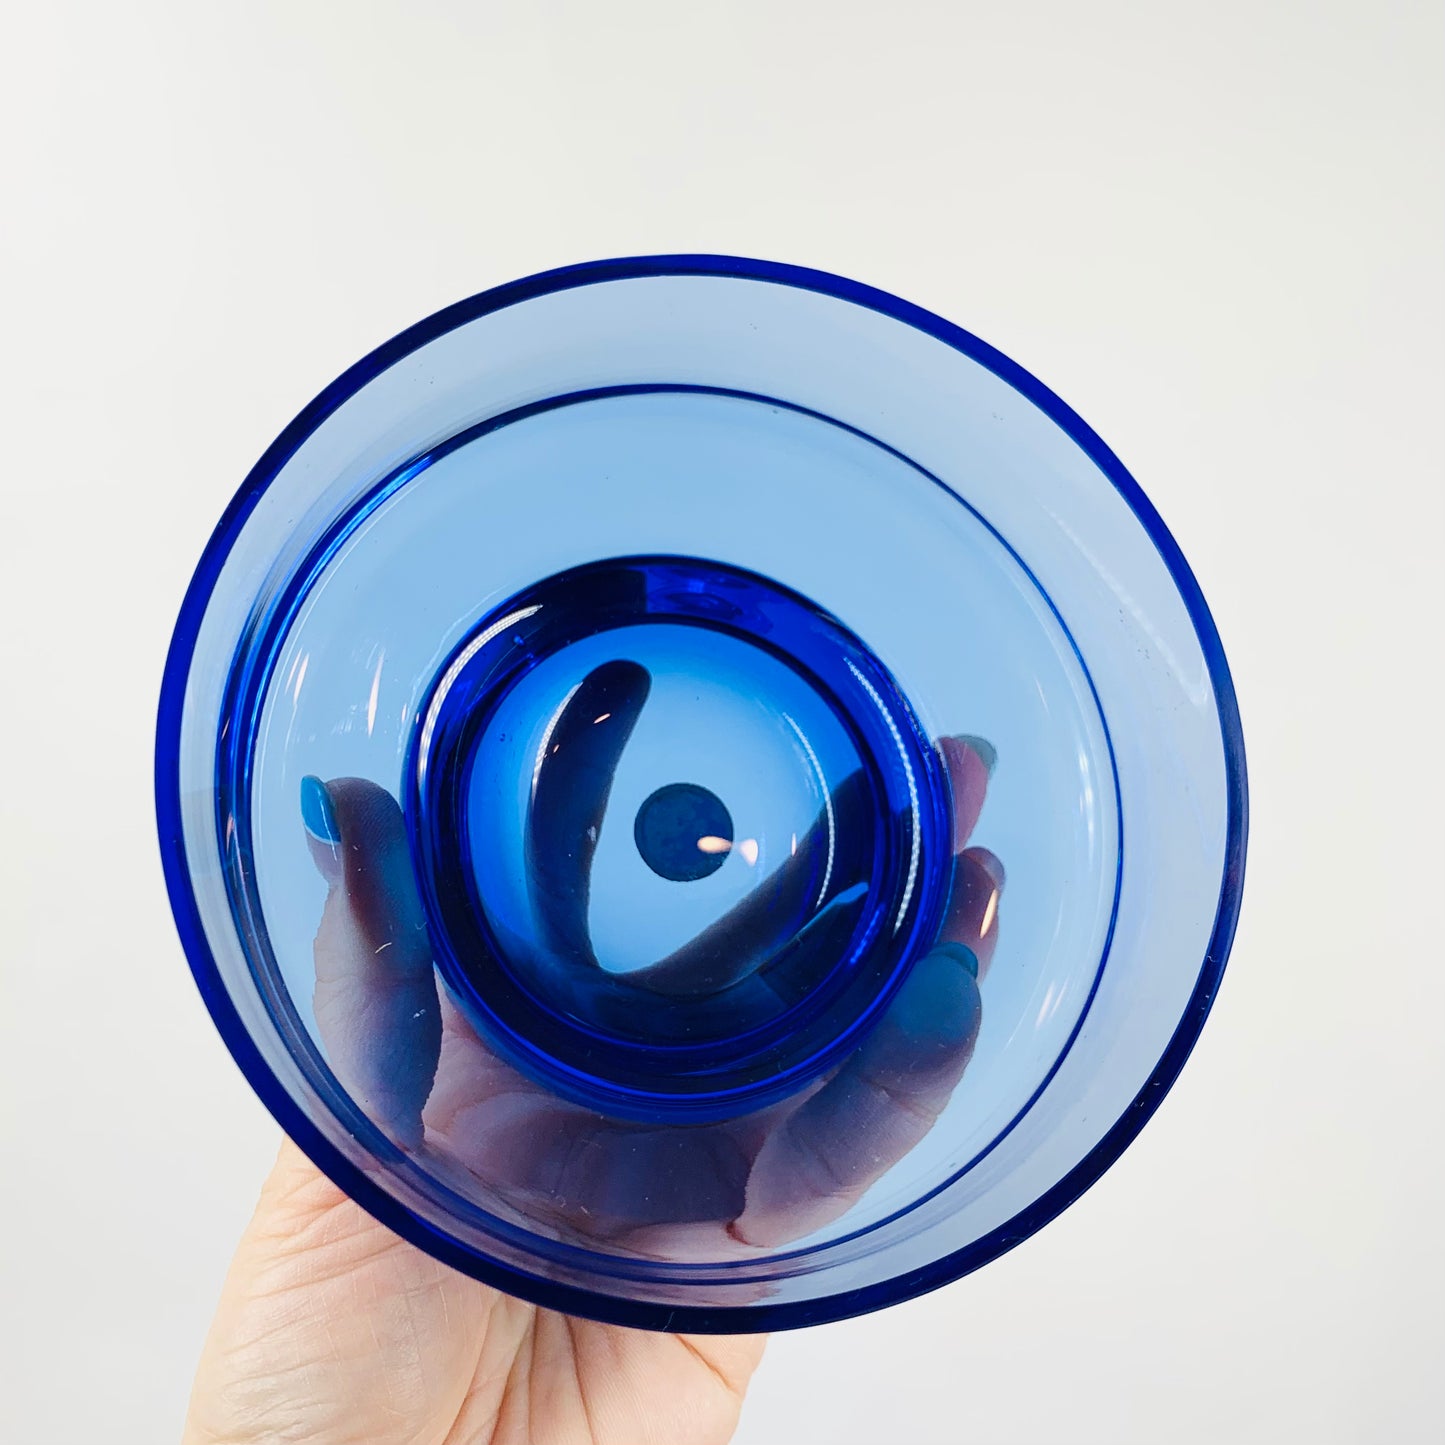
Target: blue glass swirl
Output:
[(580, 717)]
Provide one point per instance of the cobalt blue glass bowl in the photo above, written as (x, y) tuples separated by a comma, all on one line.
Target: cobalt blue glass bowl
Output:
[(700, 793)]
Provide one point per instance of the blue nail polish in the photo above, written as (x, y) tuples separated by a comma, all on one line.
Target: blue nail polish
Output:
[(986, 751), (960, 953), (317, 812)]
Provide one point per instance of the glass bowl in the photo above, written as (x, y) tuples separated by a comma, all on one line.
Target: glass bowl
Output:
[(700, 793)]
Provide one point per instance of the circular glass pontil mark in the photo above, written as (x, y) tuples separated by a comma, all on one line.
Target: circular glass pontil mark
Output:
[(683, 832), (640, 942)]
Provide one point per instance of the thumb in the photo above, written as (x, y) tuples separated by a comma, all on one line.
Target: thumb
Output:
[(376, 994)]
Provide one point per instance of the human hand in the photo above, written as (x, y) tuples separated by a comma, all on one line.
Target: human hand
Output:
[(332, 1329)]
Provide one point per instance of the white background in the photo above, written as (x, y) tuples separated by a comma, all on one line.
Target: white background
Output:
[(1215, 229)]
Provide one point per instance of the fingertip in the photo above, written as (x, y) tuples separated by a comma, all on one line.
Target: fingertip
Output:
[(960, 954), (323, 832), (316, 811), (985, 751), (973, 913), (970, 762), (937, 1010), (990, 863)]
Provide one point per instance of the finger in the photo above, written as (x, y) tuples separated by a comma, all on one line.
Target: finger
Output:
[(970, 934), (970, 763), (973, 908), (376, 998), (824, 1155), (569, 800)]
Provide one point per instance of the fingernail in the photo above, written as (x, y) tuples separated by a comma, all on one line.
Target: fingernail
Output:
[(987, 753), (319, 818), (317, 812), (960, 954), (990, 865)]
